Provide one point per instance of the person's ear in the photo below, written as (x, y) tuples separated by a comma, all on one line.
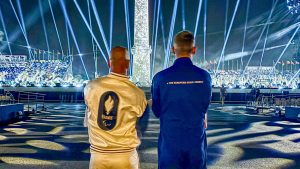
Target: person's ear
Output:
[(173, 50), (127, 63), (194, 50), (109, 64)]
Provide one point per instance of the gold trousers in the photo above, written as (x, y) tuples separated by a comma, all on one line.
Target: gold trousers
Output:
[(127, 160)]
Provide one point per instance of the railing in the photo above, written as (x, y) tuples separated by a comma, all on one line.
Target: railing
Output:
[(275, 102), (7, 98), (30, 98)]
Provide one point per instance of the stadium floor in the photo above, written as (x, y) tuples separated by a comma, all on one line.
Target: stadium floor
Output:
[(237, 139)]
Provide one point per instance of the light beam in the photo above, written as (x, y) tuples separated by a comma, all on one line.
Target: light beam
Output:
[(183, 14), (55, 25), (31, 19), (111, 22), (265, 43), (5, 32), (21, 27), (155, 37), (228, 33), (127, 22), (204, 30), (197, 20), (154, 22), (100, 26), (261, 34), (161, 20), (286, 46), (245, 31), (90, 29), (63, 7), (167, 57), (43, 23)]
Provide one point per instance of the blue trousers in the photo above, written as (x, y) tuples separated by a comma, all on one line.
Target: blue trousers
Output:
[(191, 154)]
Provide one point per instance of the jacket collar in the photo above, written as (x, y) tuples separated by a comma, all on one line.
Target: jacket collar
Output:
[(183, 61), (118, 75)]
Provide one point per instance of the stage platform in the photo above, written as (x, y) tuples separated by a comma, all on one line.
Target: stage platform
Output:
[(9, 112), (56, 139), (75, 94), (80, 90), (292, 113)]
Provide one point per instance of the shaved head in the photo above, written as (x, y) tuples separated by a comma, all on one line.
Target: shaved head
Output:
[(119, 53), (119, 59)]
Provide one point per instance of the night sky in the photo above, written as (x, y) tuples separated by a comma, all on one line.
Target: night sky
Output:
[(279, 33)]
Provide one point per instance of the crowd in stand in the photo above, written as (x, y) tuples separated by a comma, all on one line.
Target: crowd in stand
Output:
[(255, 78), (36, 72), (42, 72)]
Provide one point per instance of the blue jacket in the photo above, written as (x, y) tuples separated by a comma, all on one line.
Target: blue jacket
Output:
[(181, 95)]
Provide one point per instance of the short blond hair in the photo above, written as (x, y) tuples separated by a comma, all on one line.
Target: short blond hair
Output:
[(184, 41)]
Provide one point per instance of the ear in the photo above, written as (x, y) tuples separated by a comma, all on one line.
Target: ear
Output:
[(173, 50), (108, 64), (194, 50), (127, 63)]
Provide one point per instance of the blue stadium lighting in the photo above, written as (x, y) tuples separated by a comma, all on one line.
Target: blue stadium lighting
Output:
[(161, 20), (227, 36), (155, 35), (68, 37), (30, 20), (198, 17), (43, 23), (5, 32), (89, 28), (155, 10), (21, 27), (55, 25), (183, 14), (62, 4), (127, 22), (100, 26), (171, 32), (111, 23), (225, 32), (286, 46), (245, 30), (261, 35), (94, 48), (204, 30), (21, 16)]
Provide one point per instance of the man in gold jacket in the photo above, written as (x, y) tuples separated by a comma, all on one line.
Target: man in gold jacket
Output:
[(114, 105)]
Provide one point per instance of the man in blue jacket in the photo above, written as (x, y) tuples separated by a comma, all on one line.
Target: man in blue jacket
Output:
[(181, 95)]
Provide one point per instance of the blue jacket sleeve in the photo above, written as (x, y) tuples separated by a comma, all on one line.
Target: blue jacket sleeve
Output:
[(142, 124), (155, 97), (209, 91)]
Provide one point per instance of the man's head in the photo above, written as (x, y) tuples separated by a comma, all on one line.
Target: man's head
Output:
[(119, 60), (184, 44)]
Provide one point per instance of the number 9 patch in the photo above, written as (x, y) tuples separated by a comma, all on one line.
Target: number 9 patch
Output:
[(108, 110)]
